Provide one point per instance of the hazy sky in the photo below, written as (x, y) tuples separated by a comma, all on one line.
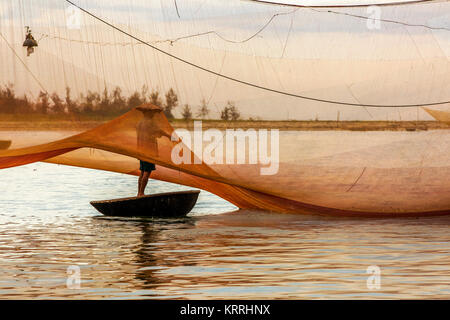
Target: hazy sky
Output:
[(300, 50)]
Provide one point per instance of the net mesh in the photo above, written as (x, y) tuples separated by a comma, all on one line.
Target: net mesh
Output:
[(269, 63)]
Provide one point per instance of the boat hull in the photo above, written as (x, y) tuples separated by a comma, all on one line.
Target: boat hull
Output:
[(172, 204)]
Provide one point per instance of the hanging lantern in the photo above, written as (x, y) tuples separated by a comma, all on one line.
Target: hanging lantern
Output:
[(29, 42)]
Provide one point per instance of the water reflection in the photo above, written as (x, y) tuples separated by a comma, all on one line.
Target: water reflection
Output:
[(235, 255), (150, 254), (147, 257), (261, 255)]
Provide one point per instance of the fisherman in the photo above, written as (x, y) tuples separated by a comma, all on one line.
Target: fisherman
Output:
[(148, 131)]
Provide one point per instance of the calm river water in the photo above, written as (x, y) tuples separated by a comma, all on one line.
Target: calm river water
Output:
[(48, 226)]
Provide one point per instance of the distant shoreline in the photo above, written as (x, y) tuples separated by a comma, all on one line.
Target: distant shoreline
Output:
[(86, 124), (318, 125)]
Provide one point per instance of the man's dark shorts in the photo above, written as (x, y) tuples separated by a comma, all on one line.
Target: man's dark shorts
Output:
[(147, 166)]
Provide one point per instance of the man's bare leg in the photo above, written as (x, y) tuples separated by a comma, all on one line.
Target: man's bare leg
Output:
[(140, 184), (143, 180)]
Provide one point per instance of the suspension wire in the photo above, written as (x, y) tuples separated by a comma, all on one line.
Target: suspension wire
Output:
[(312, 9), (387, 4), (246, 82), (288, 35), (406, 24), (176, 7), (172, 41)]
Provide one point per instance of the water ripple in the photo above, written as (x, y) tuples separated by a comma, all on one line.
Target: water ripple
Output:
[(208, 255)]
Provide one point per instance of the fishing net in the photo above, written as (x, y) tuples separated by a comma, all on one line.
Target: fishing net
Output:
[(239, 60)]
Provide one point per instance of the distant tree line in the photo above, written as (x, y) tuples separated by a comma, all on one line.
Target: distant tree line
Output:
[(108, 103)]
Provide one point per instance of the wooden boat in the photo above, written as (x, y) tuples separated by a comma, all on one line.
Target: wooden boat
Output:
[(172, 204), (5, 144)]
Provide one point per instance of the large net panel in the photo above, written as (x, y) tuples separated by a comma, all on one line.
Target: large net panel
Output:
[(257, 61)]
